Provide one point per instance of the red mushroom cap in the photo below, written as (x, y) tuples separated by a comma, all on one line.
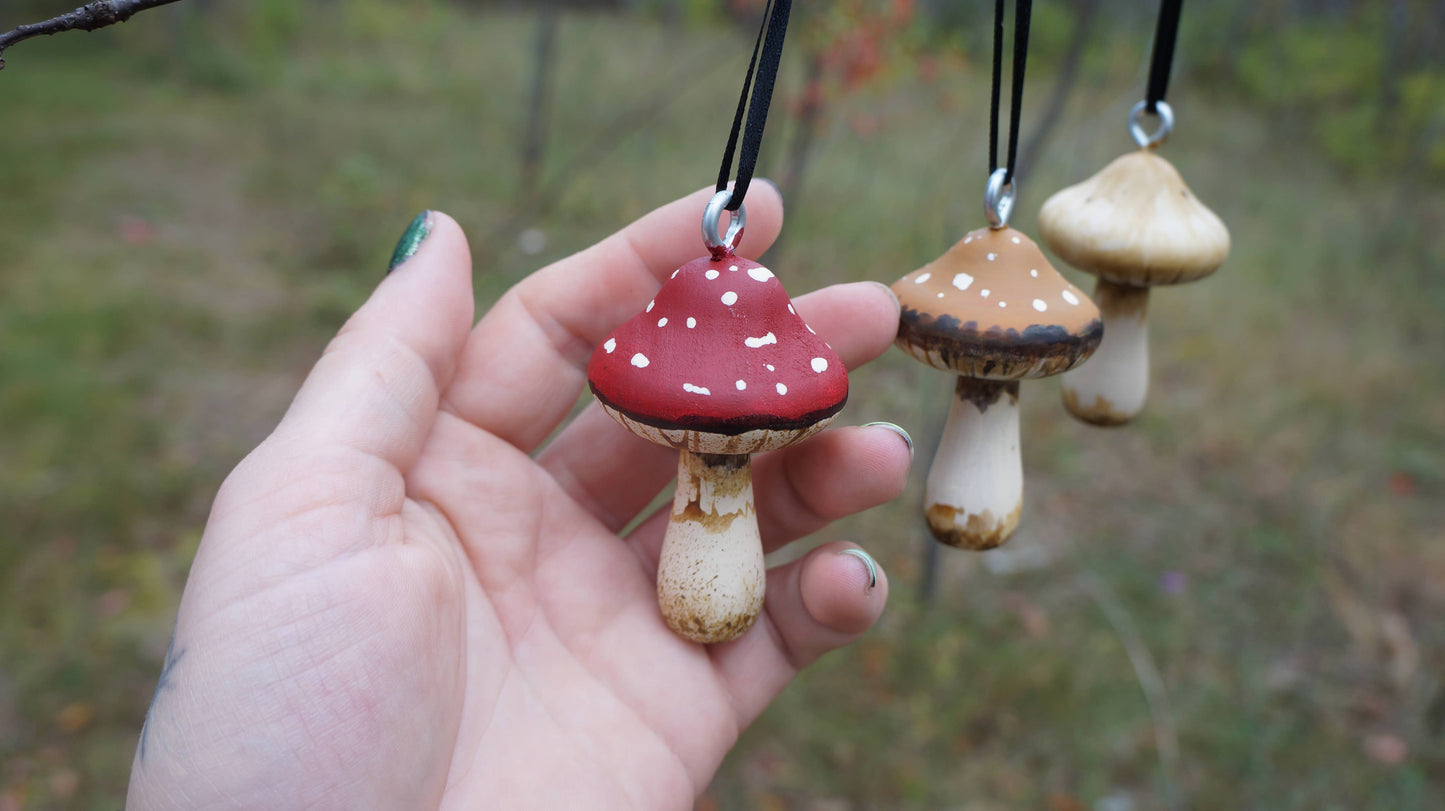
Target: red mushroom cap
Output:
[(721, 351)]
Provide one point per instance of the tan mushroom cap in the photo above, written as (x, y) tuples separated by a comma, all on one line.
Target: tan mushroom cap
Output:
[(993, 307), (1135, 222)]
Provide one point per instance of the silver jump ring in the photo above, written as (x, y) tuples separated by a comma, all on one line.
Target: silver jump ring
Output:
[(998, 199), (1166, 124), (710, 217)]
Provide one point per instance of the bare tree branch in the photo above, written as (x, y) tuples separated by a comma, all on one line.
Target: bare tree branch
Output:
[(86, 18)]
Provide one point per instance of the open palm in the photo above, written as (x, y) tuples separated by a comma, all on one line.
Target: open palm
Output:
[(400, 602)]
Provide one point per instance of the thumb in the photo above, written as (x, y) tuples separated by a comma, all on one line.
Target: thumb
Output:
[(375, 389), (366, 408)]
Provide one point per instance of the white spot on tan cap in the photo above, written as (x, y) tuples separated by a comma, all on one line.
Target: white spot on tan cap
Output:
[(756, 343), (1034, 273), (940, 295), (1016, 240), (691, 322), (923, 277), (742, 385), (820, 365), (1071, 298), (690, 388), (760, 274), (962, 281), (992, 256), (1003, 304), (984, 292), (712, 274), (640, 360), (610, 345), (1040, 305), (729, 298), (782, 389)]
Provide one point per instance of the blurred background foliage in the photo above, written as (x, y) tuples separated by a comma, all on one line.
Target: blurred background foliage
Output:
[(1234, 602)]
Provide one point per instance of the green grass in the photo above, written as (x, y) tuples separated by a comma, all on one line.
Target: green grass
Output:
[(191, 208)]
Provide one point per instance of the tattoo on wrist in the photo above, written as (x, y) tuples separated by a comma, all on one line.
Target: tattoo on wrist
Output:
[(166, 680)]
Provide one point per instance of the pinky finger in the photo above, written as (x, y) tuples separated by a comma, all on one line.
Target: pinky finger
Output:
[(814, 605)]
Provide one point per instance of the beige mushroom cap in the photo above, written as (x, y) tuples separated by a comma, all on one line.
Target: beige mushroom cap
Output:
[(1135, 223)]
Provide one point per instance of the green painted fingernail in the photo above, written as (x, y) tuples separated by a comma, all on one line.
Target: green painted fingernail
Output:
[(411, 241)]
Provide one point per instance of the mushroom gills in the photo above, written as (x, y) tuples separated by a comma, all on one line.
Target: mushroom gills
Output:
[(975, 487), (711, 576), (1110, 388)]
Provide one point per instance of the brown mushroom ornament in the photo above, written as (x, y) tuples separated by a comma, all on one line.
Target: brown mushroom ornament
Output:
[(1135, 225), (993, 311), (719, 366)]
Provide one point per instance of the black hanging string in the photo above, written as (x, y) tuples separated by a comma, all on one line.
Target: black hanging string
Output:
[(1163, 59), (767, 53), (1023, 12)]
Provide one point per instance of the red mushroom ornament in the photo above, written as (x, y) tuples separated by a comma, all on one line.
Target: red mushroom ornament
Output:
[(719, 366)]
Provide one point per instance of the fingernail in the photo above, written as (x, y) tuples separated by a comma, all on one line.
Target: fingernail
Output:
[(897, 429), (867, 561), (897, 307), (411, 240)]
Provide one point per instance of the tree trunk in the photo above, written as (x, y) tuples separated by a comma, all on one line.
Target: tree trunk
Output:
[(534, 140)]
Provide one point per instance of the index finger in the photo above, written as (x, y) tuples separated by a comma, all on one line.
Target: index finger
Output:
[(526, 362)]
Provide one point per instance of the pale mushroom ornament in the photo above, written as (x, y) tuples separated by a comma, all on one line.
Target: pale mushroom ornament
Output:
[(719, 366), (1134, 225)]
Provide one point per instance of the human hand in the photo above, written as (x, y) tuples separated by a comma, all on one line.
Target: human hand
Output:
[(399, 601)]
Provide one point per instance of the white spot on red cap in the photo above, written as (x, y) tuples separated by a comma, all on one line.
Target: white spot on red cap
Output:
[(756, 343), (712, 274), (610, 345), (770, 367), (674, 273), (923, 277), (1071, 298), (691, 389), (791, 310), (760, 274), (810, 329), (742, 385), (649, 305), (733, 268), (782, 389), (962, 281), (820, 365), (640, 360), (1040, 305), (691, 322), (729, 298), (662, 322)]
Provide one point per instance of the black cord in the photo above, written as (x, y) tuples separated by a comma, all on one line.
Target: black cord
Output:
[(767, 54), (1023, 13), (1163, 59)]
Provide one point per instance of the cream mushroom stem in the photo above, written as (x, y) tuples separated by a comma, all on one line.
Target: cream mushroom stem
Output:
[(975, 487), (710, 579), (1110, 388)]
